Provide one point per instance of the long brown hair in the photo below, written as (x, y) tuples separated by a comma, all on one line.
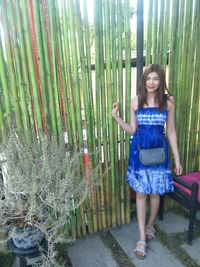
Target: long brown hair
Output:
[(162, 93)]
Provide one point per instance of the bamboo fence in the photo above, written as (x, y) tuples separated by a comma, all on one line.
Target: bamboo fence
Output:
[(47, 84)]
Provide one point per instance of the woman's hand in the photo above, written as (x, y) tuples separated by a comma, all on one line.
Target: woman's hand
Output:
[(178, 168), (115, 109)]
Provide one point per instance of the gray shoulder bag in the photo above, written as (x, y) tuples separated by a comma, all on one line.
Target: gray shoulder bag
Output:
[(151, 156)]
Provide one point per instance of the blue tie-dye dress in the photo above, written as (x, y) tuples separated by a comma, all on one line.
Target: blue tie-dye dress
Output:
[(154, 179)]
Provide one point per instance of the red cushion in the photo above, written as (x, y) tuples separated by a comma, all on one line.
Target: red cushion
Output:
[(189, 179)]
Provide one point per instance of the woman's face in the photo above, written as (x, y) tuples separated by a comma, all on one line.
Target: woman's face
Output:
[(152, 82)]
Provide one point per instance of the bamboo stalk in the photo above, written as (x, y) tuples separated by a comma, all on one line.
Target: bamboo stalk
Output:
[(109, 97), (36, 62), (68, 75), (166, 34), (100, 101), (115, 97), (88, 74), (19, 78), (121, 103), (177, 70), (75, 72), (24, 64), (10, 66), (88, 125), (70, 94), (47, 65), (34, 5), (60, 70), (76, 86), (2, 124), (155, 30), (30, 66), (100, 192), (4, 81), (190, 81), (194, 150), (51, 36), (173, 48), (128, 95), (61, 73), (160, 32), (184, 101), (149, 34)]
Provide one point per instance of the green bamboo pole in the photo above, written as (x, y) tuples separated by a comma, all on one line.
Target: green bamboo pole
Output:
[(10, 66), (69, 89), (75, 72), (2, 123), (54, 80), (97, 7), (64, 107), (5, 89), (101, 124), (177, 71), (61, 73), (93, 156), (72, 104), (76, 86), (19, 78), (173, 56), (160, 32), (41, 61), (184, 99), (173, 48), (86, 36), (98, 89), (46, 65), (110, 120), (121, 103), (103, 106), (101, 127), (114, 98), (155, 30), (88, 126), (23, 64), (30, 66), (62, 78), (36, 62), (189, 83), (194, 151), (128, 95), (149, 34), (166, 33)]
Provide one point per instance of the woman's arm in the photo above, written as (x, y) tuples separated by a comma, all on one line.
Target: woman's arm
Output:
[(171, 133), (129, 128)]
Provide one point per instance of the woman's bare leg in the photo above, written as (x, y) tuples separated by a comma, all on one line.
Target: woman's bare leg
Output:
[(141, 214), (154, 206)]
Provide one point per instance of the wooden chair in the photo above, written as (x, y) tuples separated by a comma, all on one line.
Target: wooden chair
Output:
[(187, 193)]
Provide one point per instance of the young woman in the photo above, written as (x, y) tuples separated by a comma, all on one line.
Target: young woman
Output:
[(150, 111)]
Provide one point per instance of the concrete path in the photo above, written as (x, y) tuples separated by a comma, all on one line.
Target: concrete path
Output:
[(92, 252), (158, 255)]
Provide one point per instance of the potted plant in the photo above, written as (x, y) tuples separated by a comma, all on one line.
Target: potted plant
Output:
[(42, 181)]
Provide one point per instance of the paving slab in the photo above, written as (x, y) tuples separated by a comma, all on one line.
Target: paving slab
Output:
[(172, 223), (90, 252), (193, 250), (158, 254)]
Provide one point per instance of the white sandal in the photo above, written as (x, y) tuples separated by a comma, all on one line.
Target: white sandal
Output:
[(140, 249)]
